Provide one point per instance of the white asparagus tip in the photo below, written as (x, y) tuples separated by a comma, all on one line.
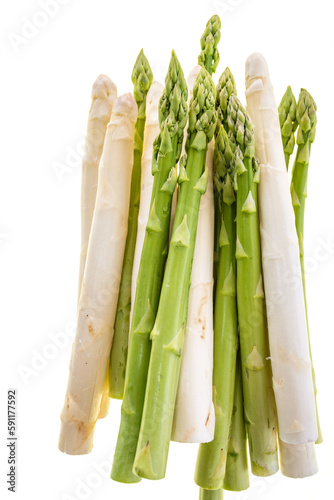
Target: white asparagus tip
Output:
[(256, 67), (125, 104), (298, 460), (193, 75), (102, 87)]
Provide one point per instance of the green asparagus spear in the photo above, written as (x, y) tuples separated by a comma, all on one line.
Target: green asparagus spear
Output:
[(172, 118), (256, 369), (209, 56), (306, 117), (142, 78), (288, 123), (236, 473), (168, 332), (211, 458), (226, 86)]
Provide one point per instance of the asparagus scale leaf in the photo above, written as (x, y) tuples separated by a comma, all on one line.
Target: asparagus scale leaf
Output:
[(168, 332), (167, 147), (142, 78)]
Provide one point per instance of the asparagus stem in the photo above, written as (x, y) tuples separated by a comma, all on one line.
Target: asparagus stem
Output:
[(142, 78), (225, 87), (172, 118), (288, 123), (168, 332), (256, 370), (209, 56), (306, 118), (211, 458), (211, 494), (236, 473)]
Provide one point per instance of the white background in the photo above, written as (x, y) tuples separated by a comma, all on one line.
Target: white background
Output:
[(46, 82)]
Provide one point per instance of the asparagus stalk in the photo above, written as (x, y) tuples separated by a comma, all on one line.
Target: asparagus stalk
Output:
[(254, 350), (167, 146), (225, 87), (194, 417), (288, 123), (211, 458), (168, 332), (289, 349), (211, 494), (300, 460), (236, 473), (141, 78), (98, 298), (194, 395), (306, 119), (104, 94), (152, 129)]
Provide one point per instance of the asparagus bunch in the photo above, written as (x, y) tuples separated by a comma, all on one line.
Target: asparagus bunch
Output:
[(211, 459), (287, 119), (167, 147), (142, 78), (168, 332), (256, 371)]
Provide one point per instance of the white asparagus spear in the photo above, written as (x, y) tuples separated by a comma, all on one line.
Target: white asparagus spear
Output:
[(297, 460), (151, 132), (104, 94), (289, 349), (99, 293), (194, 416)]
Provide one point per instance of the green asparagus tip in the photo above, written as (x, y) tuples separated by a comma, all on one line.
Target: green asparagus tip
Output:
[(222, 157), (225, 88), (202, 112), (306, 116), (142, 77), (241, 130), (209, 56), (287, 113)]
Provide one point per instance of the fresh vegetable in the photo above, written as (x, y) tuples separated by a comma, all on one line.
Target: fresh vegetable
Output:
[(289, 349), (104, 94), (211, 458), (152, 129), (167, 147), (256, 373), (288, 123), (194, 394), (142, 78), (169, 327), (98, 298), (300, 460)]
